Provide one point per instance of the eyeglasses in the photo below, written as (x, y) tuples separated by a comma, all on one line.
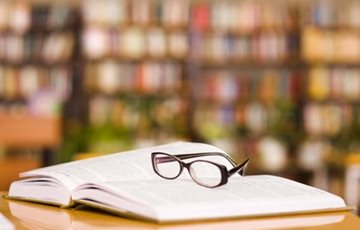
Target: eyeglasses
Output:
[(206, 173)]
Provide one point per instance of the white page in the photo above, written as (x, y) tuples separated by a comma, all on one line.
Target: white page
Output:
[(126, 166), (250, 195), (5, 224)]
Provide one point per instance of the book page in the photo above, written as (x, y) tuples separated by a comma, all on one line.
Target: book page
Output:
[(5, 224), (126, 166), (242, 196)]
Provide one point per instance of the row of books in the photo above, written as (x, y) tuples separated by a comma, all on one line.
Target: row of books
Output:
[(221, 121), (249, 16), (134, 43), (225, 86), (15, 15), (13, 109), (20, 16), (167, 13), (54, 16), (148, 77), (31, 47), (336, 83), (242, 16), (265, 46), (328, 13), (334, 46), (327, 119), (138, 114), (45, 103), (29, 81)]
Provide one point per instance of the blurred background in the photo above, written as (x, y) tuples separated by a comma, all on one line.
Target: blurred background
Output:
[(277, 81)]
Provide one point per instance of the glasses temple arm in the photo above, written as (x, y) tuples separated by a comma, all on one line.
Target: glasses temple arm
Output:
[(192, 155), (241, 168)]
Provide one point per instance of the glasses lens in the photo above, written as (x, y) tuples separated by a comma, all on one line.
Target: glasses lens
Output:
[(167, 166), (205, 173)]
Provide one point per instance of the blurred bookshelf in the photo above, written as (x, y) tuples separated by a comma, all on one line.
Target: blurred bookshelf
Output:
[(36, 71), (134, 55), (331, 50), (276, 81), (249, 74)]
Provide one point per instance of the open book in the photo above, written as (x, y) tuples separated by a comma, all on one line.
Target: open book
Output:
[(125, 183)]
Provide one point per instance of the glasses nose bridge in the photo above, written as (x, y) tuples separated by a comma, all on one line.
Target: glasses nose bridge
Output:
[(186, 165)]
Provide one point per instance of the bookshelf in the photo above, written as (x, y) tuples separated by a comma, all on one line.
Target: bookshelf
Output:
[(36, 53), (135, 62), (333, 73), (331, 50), (248, 76)]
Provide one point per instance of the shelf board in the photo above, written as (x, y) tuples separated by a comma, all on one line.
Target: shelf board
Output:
[(251, 64), (288, 31), (29, 131), (133, 60), (333, 63), (39, 62)]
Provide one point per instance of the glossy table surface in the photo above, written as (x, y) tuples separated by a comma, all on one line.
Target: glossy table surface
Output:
[(25, 215)]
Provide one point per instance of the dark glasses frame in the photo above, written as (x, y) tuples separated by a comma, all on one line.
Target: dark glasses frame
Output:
[(225, 173)]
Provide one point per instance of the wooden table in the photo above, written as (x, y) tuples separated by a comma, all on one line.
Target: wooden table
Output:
[(25, 215), (31, 131)]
